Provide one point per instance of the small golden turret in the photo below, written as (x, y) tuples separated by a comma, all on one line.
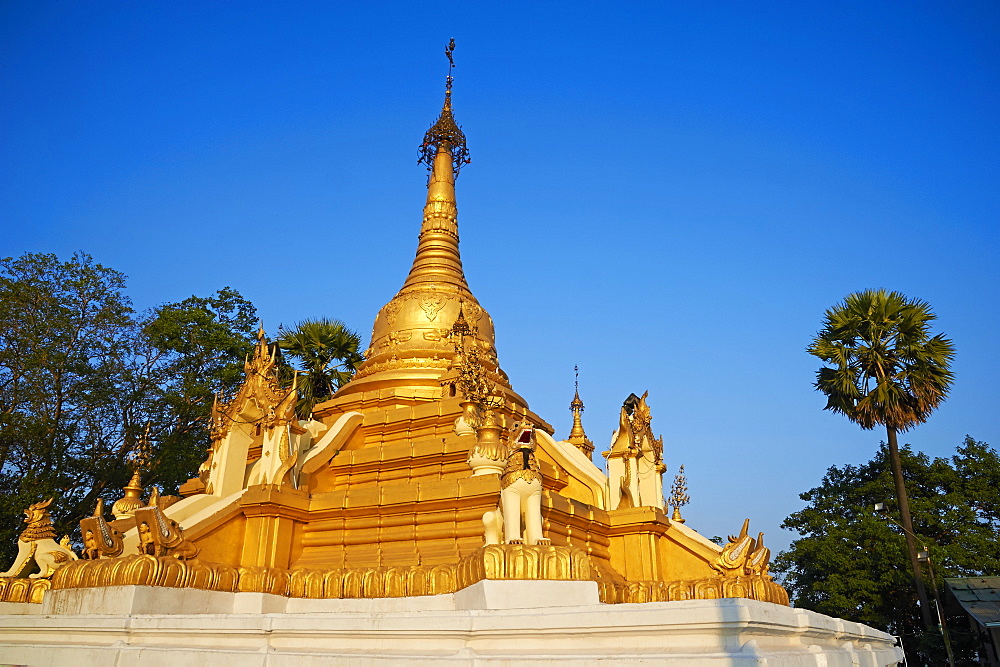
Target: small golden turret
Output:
[(126, 506), (577, 436)]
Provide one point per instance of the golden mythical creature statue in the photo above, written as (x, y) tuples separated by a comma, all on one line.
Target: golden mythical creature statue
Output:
[(37, 545), (635, 460)]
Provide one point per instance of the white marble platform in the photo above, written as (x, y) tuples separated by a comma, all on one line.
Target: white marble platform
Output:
[(490, 623)]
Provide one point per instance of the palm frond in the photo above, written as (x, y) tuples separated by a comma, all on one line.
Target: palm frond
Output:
[(327, 352), (883, 367)]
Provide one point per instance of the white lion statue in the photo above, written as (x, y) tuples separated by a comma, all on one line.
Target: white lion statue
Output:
[(518, 520)]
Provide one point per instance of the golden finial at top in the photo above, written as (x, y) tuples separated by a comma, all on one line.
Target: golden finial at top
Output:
[(445, 134), (449, 53)]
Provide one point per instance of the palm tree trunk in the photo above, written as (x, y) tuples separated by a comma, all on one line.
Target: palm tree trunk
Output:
[(911, 546)]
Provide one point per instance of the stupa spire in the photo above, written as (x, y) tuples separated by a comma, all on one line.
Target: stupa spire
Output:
[(577, 436), (444, 151), (410, 351)]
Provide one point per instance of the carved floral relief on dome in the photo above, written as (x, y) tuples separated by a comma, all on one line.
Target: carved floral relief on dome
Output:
[(395, 363), (473, 312), (431, 304), (390, 310)]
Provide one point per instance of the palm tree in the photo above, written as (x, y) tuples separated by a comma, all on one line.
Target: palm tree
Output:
[(885, 369), (327, 352)]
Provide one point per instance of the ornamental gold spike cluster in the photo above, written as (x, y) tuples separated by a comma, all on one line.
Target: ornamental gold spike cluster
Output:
[(473, 378), (140, 458), (678, 495)]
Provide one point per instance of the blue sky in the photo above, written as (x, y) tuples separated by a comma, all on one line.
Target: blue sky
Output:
[(667, 194)]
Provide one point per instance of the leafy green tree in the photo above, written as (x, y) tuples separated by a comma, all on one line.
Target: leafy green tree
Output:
[(83, 379), (327, 353), (190, 351), (65, 329), (884, 368), (851, 562)]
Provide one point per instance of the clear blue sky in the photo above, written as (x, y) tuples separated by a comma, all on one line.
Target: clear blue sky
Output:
[(668, 194)]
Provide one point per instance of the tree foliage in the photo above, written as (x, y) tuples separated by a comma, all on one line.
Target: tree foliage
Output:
[(328, 354), (197, 348), (884, 366), (852, 563), (65, 328), (83, 378)]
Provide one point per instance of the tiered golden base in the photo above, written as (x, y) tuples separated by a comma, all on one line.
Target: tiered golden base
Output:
[(755, 587), (500, 561), (23, 590)]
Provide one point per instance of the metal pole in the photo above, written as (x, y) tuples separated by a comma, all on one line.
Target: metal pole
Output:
[(942, 624)]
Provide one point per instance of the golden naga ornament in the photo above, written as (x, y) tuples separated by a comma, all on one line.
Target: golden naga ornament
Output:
[(99, 539), (160, 536)]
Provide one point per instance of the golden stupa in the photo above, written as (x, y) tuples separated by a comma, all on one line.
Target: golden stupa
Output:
[(417, 476)]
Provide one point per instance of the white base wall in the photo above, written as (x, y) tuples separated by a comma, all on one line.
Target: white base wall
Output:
[(489, 623)]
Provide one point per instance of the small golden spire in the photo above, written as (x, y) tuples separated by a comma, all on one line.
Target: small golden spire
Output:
[(577, 436), (126, 506)]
